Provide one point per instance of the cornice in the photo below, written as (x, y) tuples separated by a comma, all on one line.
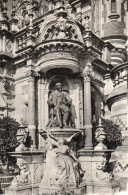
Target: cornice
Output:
[(2, 107), (9, 95), (101, 65), (59, 45), (98, 82), (116, 94), (7, 33), (124, 37), (7, 55), (119, 67)]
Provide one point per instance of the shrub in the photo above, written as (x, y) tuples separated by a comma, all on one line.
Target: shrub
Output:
[(8, 130), (113, 132)]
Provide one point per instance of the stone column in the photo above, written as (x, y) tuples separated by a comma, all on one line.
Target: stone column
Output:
[(1, 42), (4, 42), (126, 9), (87, 107), (41, 109), (31, 108)]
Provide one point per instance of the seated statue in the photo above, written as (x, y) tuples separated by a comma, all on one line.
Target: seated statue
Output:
[(61, 108)]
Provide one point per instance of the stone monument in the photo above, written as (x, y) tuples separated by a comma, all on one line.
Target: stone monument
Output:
[(62, 173)]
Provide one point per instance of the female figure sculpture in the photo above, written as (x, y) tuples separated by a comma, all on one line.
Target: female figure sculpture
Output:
[(61, 164)]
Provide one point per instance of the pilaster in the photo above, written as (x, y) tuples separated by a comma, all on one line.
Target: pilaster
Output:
[(41, 110), (87, 107), (31, 108)]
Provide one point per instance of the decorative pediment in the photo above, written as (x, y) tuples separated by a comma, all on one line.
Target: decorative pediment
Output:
[(60, 26), (60, 29)]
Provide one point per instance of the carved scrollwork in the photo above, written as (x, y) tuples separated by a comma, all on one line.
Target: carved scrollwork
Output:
[(102, 173), (8, 85), (61, 30), (31, 74)]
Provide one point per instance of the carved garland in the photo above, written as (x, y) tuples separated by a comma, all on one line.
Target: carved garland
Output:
[(61, 30)]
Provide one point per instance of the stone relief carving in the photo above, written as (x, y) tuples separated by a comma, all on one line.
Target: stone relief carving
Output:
[(9, 46), (37, 172), (22, 178), (100, 136), (59, 26), (8, 86), (121, 166), (61, 30), (21, 135), (23, 15), (59, 55), (101, 173)]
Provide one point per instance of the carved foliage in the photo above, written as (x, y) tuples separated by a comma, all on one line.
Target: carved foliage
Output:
[(22, 14), (8, 86), (61, 30)]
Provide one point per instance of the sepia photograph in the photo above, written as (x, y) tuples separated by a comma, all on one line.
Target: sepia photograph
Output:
[(63, 97)]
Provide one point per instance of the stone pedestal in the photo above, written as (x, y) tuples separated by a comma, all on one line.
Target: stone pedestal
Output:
[(26, 189), (120, 160), (61, 133), (31, 165), (76, 191), (97, 179)]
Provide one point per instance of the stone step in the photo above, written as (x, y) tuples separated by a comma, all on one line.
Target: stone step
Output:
[(6, 179), (4, 185)]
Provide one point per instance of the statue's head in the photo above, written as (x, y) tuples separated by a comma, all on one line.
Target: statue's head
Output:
[(62, 141), (58, 86)]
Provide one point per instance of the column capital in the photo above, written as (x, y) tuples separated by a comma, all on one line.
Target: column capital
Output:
[(31, 74), (87, 73)]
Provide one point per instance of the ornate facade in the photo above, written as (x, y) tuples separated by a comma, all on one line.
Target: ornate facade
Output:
[(82, 44)]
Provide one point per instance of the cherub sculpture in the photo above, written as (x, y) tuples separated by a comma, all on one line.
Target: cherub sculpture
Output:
[(62, 166), (22, 178)]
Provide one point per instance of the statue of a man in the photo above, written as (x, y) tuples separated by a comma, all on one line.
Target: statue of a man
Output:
[(60, 102)]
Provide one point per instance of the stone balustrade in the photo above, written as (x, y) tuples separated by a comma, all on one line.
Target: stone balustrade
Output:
[(119, 74), (92, 42)]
